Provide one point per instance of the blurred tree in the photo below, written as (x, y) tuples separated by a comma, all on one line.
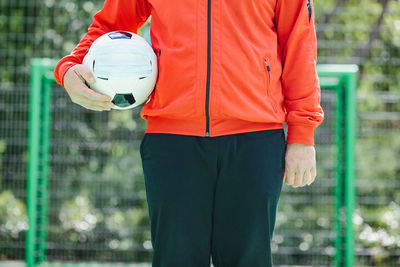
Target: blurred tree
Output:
[(98, 207)]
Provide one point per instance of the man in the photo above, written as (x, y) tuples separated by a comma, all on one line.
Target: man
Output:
[(214, 155)]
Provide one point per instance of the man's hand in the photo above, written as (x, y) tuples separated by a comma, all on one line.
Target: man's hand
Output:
[(300, 164), (74, 84)]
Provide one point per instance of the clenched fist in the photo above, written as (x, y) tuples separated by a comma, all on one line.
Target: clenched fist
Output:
[(75, 80), (300, 165)]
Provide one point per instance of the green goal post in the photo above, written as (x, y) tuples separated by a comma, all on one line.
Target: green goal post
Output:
[(342, 79)]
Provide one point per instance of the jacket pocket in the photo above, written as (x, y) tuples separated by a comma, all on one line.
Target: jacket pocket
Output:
[(267, 68)]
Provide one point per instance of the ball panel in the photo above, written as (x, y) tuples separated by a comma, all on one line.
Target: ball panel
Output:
[(120, 35), (123, 100)]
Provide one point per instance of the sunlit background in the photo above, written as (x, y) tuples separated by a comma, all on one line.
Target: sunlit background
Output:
[(97, 209)]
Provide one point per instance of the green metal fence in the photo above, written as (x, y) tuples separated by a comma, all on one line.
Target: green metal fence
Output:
[(322, 212)]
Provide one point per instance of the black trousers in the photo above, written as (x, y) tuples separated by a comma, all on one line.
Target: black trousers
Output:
[(213, 197)]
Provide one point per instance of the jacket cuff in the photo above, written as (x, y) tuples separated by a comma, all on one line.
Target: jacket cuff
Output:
[(60, 71), (300, 133)]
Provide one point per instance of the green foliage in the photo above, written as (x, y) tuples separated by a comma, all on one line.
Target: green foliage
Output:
[(125, 226), (382, 238), (97, 193), (13, 220), (78, 215)]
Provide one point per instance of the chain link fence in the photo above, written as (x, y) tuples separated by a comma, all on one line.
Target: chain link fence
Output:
[(97, 208)]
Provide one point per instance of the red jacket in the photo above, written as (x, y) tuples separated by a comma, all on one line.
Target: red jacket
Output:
[(225, 66)]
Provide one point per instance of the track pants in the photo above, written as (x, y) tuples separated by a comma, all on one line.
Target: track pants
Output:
[(213, 197)]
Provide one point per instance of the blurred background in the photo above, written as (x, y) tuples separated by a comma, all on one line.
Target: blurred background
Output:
[(97, 208)]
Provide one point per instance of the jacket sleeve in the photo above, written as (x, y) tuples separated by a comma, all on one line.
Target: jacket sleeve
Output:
[(128, 15), (298, 47)]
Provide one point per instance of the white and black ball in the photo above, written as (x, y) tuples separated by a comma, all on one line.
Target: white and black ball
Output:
[(124, 66)]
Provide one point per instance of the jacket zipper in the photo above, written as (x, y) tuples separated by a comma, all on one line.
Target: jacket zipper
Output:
[(208, 68), (269, 81)]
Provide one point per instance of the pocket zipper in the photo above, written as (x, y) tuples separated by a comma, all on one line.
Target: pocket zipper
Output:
[(269, 81), (268, 69)]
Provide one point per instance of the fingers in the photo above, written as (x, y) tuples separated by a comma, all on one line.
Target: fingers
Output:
[(298, 177), (90, 94), (93, 106), (87, 76), (306, 177), (85, 73), (290, 176), (90, 99), (75, 80), (300, 165), (313, 175)]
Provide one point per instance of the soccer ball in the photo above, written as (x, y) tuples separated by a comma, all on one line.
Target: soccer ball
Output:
[(124, 67)]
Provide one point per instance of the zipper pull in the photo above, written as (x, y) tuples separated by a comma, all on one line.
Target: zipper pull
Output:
[(266, 63)]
